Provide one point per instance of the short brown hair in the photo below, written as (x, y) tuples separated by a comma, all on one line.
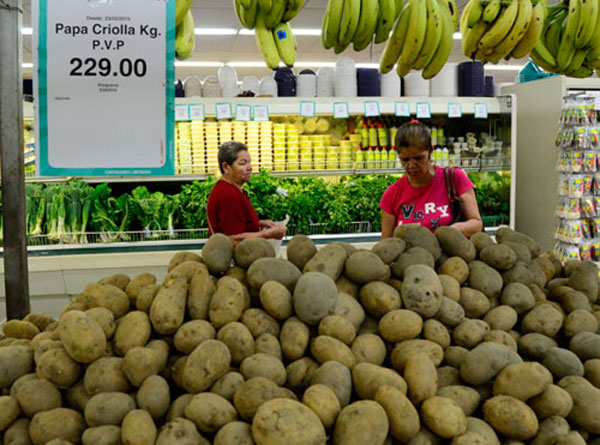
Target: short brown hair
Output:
[(414, 135)]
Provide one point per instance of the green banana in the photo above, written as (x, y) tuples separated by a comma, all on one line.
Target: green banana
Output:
[(442, 52), (185, 38), (475, 13), (286, 43), (577, 61), (582, 72), (395, 43), (274, 16), (333, 16), (181, 9), (519, 29), (433, 35), (417, 27), (247, 17), (402, 69), (501, 27), (387, 16), (324, 43), (464, 27), (471, 39), (593, 64), (595, 43), (367, 24), (265, 5), (492, 10), (554, 32), (399, 5), (349, 22), (543, 57), (266, 43), (246, 3), (566, 50), (588, 23), (292, 9), (533, 33)]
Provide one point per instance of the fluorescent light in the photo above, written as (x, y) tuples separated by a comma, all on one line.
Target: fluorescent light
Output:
[(503, 67), (27, 65), (199, 64), (215, 31), (27, 31), (315, 64), (257, 64), (306, 31), (457, 36), (367, 65), (246, 32)]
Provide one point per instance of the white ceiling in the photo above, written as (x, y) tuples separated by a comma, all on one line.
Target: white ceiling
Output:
[(220, 14)]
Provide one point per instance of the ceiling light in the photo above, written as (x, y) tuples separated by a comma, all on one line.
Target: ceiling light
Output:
[(367, 65), (257, 64), (215, 31), (315, 64), (306, 31), (246, 32), (27, 65), (27, 31), (503, 67), (199, 64), (457, 36)]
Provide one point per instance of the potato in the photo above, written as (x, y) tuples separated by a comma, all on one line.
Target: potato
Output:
[(18, 433), (413, 256), (422, 291), (104, 435), (118, 280), (507, 234), (263, 365), (584, 279), (185, 270), (535, 345), (20, 329), (251, 394), (227, 385), (586, 345), (40, 320), (136, 284), (448, 376), (108, 408), (57, 423), (345, 286), (180, 257), (300, 250), (268, 344), (200, 294), (402, 352), (444, 417), (544, 319), (20, 381), (58, 367), (210, 412), (522, 380), (470, 333), (177, 408), (522, 253), (273, 269), (76, 397), (105, 295), (562, 362), (191, 334), (205, 365), (363, 267), (217, 253), (234, 433), (578, 321), (379, 298), (469, 438), (329, 260), (403, 418), (105, 375), (501, 317), (226, 306), (154, 396), (132, 330), (368, 378), (553, 401), (389, 249), (138, 428), (450, 313), (323, 401), (571, 438), (259, 322), (315, 296), (276, 299), (286, 421), (518, 296), (168, 308), (520, 273), (592, 371), (399, 325), (299, 373), (338, 328), (483, 429), (455, 355), (498, 256), (180, 431), (417, 235), (146, 296), (369, 348), (369, 326), (139, 364), (451, 287), (104, 318), (361, 422), (325, 348), (337, 377), (481, 240), (9, 411), (251, 249), (467, 398), (456, 268), (486, 279), (586, 399), (511, 417), (485, 361), (421, 377), (161, 350), (38, 395), (238, 340), (475, 303), (81, 336), (15, 361), (454, 243), (502, 337), (294, 338)]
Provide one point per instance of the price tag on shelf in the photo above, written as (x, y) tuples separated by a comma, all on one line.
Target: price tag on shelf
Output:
[(242, 113), (372, 109), (340, 110), (454, 110), (481, 111), (423, 110), (196, 112), (597, 102), (402, 109), (223, 111), (182, 112), (102, 68), (307, 109), (261, 113)]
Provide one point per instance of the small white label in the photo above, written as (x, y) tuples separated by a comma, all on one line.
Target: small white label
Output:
[(597, 102), (481, 111), (197, 112), (261, 113), (242, 113), (340, 110), (372, 109), (223, 111), (402, 109), (182, 112), (454, 110), (423, 110), (307, 109)]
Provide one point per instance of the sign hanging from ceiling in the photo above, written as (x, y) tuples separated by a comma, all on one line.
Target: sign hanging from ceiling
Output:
[(104, 78)]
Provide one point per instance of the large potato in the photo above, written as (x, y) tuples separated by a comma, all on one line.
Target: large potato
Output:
[(456, 268), (191, 334), (389, 249), (273, 269), (337, 377), (436, 332), (511, 417), (475, 303), (486, 279), (470, 333), (467, 398), (182, 432), (205, 365), (138, 428), (105, 295), (37, 395), (57, 423), (251, 394), (499, 256), (58, 367), (522, 380), (9, 411), (501, 318), (325, 348), (20, 329), (535, 345), (422, 291), (507, 234), (227, 303), (200, 293), (363, 267), (238, 340), (368, 378), (168, 307), (518, 296), (234, 433), (444, 417), (402, 352), (294, 338), (584, 278), (338, 328), (139, 364), (300, 373), (413, 256), (403, 417), (421, 377), (146, 296), (315, 296), (416, 235), (485, 361), (450, 313), (103, 435), (132, 330), (108, 408), (361, 422), (259, 322), (329, 260), (451, 287), (300, 250), (379, 298), (369, 348), (104, 318), (586, 399), (276, 299), (217, 253), (323, 401), (586, 345), (118, 280), (227, 385), (154, 396), (578, 321), (180, 257), (454, 243), (137, 283), (210, 412), (399, 325), (553, 401), (15, 361), (263, 365), (251, 249), (543, 319), (562, 362), (81, 336)]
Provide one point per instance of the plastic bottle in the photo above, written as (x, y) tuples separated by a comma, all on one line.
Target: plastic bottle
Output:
[(434, 136), (359, 162), (373, 139), (445, 156)]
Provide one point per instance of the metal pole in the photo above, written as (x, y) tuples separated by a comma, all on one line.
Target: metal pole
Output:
[(11, 151)]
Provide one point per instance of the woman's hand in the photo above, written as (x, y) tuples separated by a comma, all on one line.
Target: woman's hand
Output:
[(275, 231), (265, 223)]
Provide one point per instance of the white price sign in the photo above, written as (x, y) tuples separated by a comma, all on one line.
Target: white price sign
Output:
[(182, 112), (423, 110), (196, 112), (307, 109), (340, 110), (223, 111), (104, 76), (372, 109), (402, 109), (481, 111), (454, 110), (597, 102), (261, 113), (242, 113)]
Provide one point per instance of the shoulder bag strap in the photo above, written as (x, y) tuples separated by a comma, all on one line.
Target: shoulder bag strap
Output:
[(448, 186), (453, 184)]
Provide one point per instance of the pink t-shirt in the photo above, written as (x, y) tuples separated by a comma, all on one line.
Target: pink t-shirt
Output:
[(428, 206)]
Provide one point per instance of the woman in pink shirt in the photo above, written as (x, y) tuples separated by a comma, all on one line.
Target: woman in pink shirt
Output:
[(420, 196)]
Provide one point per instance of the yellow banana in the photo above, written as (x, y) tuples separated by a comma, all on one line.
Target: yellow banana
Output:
[(349, 22), (440, 56), (433, 35), (335, 9), (185, 38), (292, 9), (471, 39), (417, 27), (464, 27), (324, 43), (274, 16), (532, 35), (491, 11), (402, 69), (286, 43), (395, 43), (520, 27), (501, 27), (266, 43), (475, 13), (387, 16), (453, 9), (246, 16), (265, 5), (367, 24), (181, 9), (566, 50), (588, 22)]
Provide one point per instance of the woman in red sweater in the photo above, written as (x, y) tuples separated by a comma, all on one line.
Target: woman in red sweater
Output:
[(229, 209)]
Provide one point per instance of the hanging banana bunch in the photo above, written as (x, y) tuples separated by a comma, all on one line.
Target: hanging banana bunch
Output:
[(421, 39), (185, 39), (570, 40), (269, 19)]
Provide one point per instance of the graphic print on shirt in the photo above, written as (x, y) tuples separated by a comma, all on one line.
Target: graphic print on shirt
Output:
[(410, 214)]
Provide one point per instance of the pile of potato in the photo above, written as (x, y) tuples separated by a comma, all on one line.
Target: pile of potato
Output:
[(424, 339)]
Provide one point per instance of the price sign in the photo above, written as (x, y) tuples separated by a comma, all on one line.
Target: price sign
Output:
[(372, 109), (196, 112), (261, 113), (402, 109), (454, 110), (423, 110), (481, 111), (307, 109), (182, 112), (242, 113), (340, 110), (597, 102), (104, 74), (223, 111)]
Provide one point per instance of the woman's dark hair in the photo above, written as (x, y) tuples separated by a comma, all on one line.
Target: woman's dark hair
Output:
[(228, 152), (414, 135)]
